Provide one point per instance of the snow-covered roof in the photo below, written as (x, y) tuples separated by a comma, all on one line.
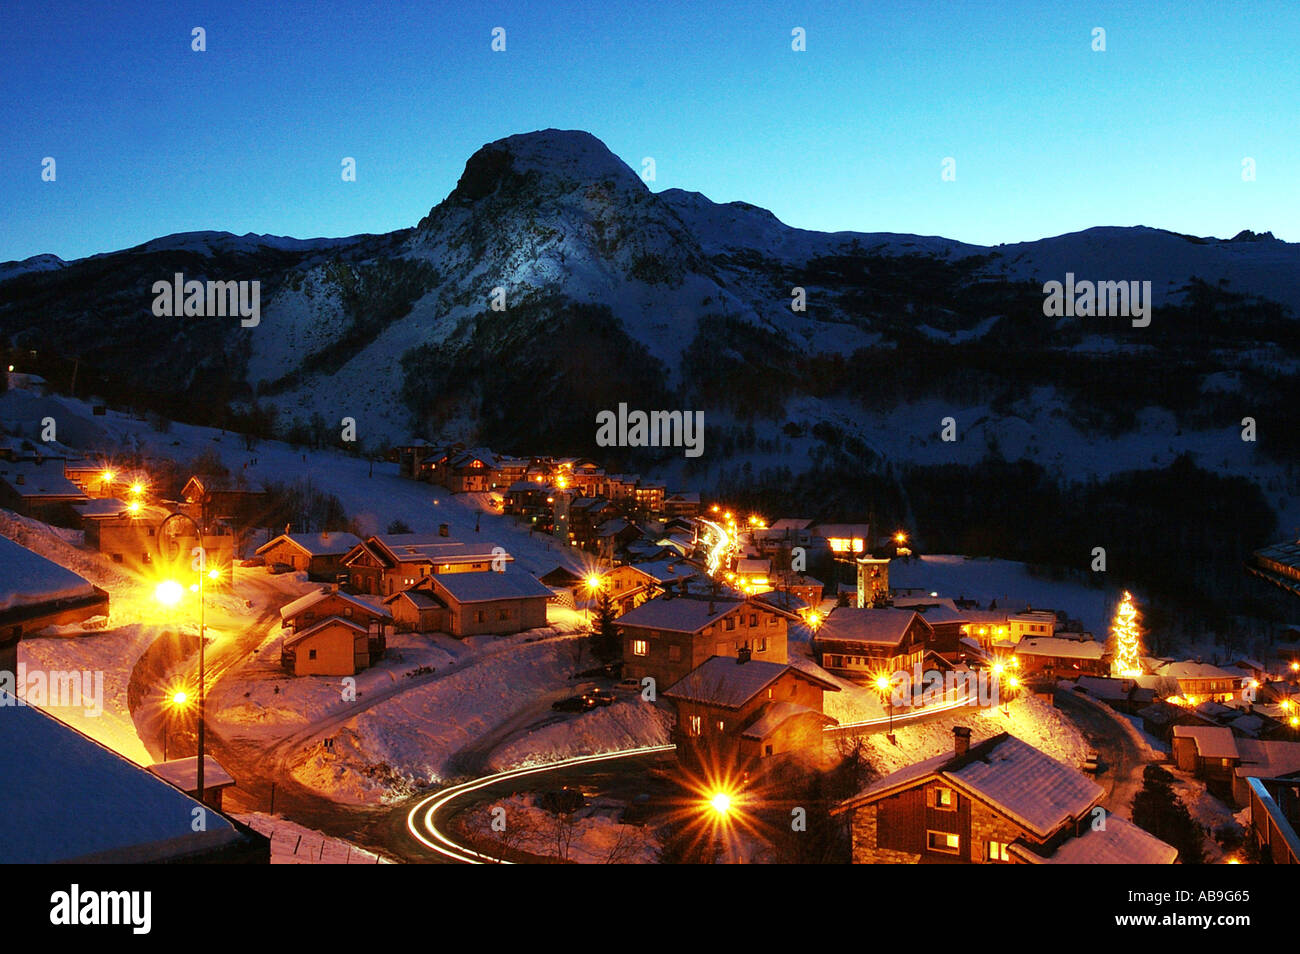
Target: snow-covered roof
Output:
[(65, 797), (728, 682), (1063, 648), (754, 567), (1212, 741), (1120, 843), (1190, 669), (791, 523), (184, 773), (432, 548), (511, 584), (291, 610), (1102, 687), (420, 599), (1028, 786), (1268, 759), (29, 479), (883, 627), (679, 614), (27, 578), (316, 544), (772, 717)]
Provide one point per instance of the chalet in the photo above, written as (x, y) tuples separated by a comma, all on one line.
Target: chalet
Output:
[(807, 588), (1208, 751), (506, 472), (36, 593), (417, 610), (996, 802), (1060, 657), (319, 554), (75, 800), (411, 455), (630, 585), (1275, 818), (470, 471), (128, 533), (183, 773), (681, 504), (94, 479), (753, 574), (1263, 759), (735, 713), (670, 635), (209, 497), (333, 647), (532, 502), (386, 564), (40, 491), (1198, 681), (499, 603), (858, 644), (307, 611)]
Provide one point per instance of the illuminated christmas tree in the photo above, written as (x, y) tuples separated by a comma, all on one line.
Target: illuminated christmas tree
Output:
[(1128, 639)]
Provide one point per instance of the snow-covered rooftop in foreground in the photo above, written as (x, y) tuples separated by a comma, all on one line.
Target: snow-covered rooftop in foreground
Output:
[(1120, 843), (27, 577), (64, 797)]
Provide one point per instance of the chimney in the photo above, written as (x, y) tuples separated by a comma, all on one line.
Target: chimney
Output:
[(742, 655), (961, 739), (443, 530)]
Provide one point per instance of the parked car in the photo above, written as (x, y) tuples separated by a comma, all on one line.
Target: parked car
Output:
[(1090, 761), (275, 569), (574, 704), (602, 697)]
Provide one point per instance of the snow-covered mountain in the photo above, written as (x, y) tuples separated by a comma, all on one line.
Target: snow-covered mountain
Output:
[(613, 292)]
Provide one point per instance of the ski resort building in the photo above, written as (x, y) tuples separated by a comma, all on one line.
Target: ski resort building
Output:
[(996, 802)]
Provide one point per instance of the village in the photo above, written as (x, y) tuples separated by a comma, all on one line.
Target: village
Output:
[(530, 658)]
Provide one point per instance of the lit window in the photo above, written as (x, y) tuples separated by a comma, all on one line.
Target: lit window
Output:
[(943, 798), (944, 841), (998, 851), (696, 725), (722, 726), (640, 647)]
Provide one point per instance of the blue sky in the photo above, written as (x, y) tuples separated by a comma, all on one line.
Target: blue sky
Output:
[(1048, 136)]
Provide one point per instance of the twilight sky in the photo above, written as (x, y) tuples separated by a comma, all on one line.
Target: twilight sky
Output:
[(151, 138)]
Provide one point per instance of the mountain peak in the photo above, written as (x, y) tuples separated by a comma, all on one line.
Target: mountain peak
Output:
[(568, 156)]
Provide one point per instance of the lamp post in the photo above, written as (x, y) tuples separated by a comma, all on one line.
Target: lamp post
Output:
[(882, 684), (172, 594)]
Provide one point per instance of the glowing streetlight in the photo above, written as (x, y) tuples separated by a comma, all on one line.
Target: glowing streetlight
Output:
[(900, 538), (169, 592), (721, 804), (180, 697), (882, 683), (137, 489)]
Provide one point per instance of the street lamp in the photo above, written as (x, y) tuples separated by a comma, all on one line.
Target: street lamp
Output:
[(178, 700), (170, 593), (882, 685)]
